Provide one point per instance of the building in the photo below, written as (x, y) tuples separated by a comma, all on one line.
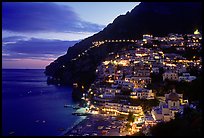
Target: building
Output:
[(123, 83), (142, 93), (149, 120), (108, 95), (170, 76), (116, 108), (166, 110), (155, 70), (147, 37), (186, 77), (142, 73), (141, 80), (111, 90)]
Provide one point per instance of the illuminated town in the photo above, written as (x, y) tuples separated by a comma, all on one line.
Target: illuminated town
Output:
[(123, 84), (102, 69)]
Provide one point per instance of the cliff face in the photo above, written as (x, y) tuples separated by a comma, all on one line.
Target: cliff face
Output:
[(157, 18)]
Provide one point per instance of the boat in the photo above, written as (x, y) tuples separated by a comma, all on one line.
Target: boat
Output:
[(12, 132), (74, 113), (76, 107), (66, 105)]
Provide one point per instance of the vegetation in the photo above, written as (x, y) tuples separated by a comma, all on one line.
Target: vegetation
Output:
[(77, 94), (125, 91), (190, 52), (190, 90), (131, 117), (157, 78), (146, 104)]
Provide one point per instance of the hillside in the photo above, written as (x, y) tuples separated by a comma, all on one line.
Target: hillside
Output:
[(157, 18)]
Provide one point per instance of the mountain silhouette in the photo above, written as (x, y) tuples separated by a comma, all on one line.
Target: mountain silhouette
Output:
[(156, 18)]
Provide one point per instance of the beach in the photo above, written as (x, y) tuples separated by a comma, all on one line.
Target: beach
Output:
[(96, 125)]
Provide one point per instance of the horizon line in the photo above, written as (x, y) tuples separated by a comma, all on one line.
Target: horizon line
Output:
[(23, 68)]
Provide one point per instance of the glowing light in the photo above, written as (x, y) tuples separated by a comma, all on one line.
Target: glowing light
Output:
[(123, 62), (75, 84), (106, 62), (196, 32), (156, 57)]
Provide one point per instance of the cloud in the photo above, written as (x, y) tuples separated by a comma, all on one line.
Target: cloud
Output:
[(43, 17), (13, 38), (74, 36), (25, 63), (34, 48)]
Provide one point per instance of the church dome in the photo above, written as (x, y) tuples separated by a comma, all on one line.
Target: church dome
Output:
[(173, 96)]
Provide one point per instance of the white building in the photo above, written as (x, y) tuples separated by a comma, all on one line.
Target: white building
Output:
[(123, 83), (108, 92), (170, 76), (147, 37), (117, 108), (142, 73), (128, 85), (186, 77), (155, 70), (142, 93), (108, 95), (144, 80), (166, 110), (111, 90)]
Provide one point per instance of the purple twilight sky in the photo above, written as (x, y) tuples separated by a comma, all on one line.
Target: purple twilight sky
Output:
[(36, 33)]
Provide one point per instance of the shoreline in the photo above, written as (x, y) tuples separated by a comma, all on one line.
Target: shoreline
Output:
[(83, 121), (96, 125)]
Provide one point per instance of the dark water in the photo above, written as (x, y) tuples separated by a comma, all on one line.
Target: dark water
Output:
[(26, 98)]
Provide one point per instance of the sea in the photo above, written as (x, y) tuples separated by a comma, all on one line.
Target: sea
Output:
[(31, 107)]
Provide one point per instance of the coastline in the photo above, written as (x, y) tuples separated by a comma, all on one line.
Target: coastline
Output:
[(79, 123), (96, 125)]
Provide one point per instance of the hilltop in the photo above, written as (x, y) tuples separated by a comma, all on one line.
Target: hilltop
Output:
[(156, 18)]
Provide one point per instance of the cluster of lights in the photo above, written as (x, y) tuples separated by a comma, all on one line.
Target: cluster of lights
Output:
[(145, 37), (98, 43), (126, 63)]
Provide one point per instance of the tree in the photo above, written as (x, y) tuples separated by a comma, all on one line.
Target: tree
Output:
[(131, 117)]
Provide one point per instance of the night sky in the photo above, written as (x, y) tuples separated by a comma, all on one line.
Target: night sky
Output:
[(35, 34)]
